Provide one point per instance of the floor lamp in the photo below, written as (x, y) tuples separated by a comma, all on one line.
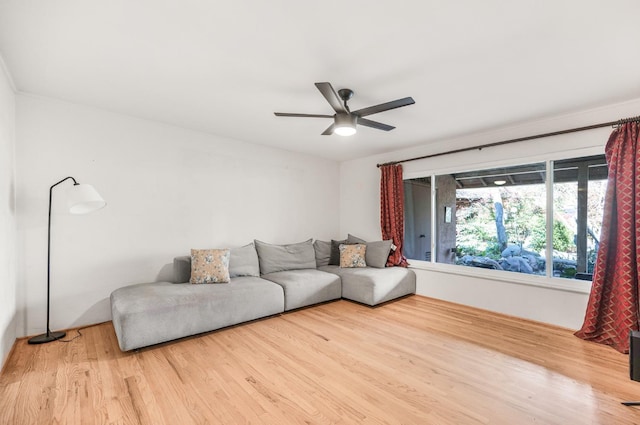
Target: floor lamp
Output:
[(82, 199)]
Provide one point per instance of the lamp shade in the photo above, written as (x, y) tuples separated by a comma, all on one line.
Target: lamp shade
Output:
[(83, 199)]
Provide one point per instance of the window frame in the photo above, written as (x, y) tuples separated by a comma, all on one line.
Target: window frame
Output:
[(548, 281)]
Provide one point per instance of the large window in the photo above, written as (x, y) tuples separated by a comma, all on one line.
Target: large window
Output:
[(499, 218)]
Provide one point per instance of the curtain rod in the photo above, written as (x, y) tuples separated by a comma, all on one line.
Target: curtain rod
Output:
[(519, 139)]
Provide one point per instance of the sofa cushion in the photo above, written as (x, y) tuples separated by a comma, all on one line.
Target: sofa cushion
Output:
[(306, 287), (244, 261), (209, 266), (276, 258), (353, 255), (182, 269), (334, 258), (151, 313), (354, 239), (377, 252), (373, 286), (323, 252)]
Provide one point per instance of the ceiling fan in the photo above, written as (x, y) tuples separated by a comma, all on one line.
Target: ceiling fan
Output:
[(344, 120)]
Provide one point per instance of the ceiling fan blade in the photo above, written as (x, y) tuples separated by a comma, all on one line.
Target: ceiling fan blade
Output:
[(332, 97), (285, 114), (329, 131), (375, 124), (384, 107)]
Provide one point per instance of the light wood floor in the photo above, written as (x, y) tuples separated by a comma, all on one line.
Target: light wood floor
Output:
[(413, 361)]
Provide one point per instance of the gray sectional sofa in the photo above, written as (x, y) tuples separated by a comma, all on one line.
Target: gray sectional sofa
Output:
[(265, 280)]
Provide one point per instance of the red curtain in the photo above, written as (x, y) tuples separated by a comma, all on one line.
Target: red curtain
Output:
[(392, 211), (613, 309)]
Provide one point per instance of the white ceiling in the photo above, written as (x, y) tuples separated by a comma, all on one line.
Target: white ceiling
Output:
[(224, 67)]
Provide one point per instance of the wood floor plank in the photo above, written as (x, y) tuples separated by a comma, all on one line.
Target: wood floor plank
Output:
[(413, 361)]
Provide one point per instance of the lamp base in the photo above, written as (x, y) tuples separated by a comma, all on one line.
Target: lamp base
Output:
[(48, 337)]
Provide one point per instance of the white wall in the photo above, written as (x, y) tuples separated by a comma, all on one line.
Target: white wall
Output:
[(360, 209), (167, 190), (8, 282)]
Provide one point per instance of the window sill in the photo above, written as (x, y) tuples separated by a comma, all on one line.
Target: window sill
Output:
[(568, 285)]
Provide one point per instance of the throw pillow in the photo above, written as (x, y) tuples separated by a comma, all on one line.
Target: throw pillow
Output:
[(276, 258), (334, 258), (323, 252), (378, 253), (210, 266), (354, 239), (182, 269), (244, 261), (353, 255)]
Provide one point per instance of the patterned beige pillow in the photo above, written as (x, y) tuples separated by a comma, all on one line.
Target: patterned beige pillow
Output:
[(353, 255), (210, 265)]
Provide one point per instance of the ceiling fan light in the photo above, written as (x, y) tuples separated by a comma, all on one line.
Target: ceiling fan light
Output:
[(345, 131), (345, 125)]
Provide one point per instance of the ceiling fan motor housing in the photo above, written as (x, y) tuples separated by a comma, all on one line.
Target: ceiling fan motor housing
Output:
[(346, 120)]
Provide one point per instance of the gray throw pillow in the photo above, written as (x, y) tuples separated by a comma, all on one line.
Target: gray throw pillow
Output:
[(334, 257), (377, 252), (354, 239), (276, 258), (323, 252), (244, 261), (182, 269)]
